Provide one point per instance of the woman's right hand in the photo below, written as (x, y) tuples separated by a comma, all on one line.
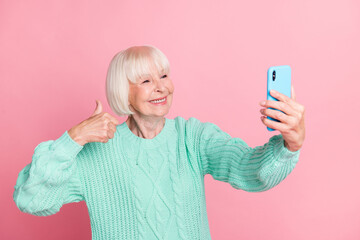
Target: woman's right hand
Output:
[(99, 127)]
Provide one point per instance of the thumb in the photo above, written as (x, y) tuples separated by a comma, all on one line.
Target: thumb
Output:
[(98, 108)]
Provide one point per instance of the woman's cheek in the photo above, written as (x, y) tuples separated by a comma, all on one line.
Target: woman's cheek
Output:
[(171, 87)]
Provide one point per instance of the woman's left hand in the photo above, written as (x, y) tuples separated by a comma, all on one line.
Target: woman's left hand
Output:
[(292, 123)]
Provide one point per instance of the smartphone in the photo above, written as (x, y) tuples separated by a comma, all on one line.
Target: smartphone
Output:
[(279, 79)]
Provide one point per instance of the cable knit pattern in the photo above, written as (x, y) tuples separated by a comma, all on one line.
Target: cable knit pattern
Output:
[(138, 188)]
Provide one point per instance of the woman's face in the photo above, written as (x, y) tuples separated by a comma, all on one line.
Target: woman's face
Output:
[(150, 88)]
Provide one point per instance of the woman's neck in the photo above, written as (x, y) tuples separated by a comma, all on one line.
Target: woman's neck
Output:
[(145, 128)]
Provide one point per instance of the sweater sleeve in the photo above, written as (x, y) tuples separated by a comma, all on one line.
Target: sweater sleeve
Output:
[(51, 179), (231, 160)]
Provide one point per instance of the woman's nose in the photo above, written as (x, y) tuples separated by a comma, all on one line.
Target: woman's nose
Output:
[(160, 85)]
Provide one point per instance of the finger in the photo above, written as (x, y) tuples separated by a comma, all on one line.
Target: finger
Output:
[(98, 108), (110, 133), (282, 117), (112, 126), (112, 119), (283, 98), (289, 101), (273, 124), (280, 106)]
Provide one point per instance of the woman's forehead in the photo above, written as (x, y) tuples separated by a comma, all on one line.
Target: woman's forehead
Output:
[(153, 72), (150, 75)]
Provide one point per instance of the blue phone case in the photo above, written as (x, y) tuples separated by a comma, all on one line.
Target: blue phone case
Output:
[(281, 83)]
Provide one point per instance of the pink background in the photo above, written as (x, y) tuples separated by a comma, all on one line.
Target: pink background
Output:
[(53, 61)]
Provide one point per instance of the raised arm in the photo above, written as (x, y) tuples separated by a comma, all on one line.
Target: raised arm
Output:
[(51, 179), (231, 160)]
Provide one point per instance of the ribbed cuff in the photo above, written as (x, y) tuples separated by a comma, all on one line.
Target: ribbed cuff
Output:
[(281, 153), (67, 145)]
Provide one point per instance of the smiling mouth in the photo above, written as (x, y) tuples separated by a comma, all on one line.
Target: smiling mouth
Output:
[(161, 100), (158, 99)]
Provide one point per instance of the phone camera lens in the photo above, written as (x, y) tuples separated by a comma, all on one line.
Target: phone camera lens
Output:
[(274, 75)]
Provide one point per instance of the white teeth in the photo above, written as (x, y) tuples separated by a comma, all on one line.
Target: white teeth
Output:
[(158, 101)]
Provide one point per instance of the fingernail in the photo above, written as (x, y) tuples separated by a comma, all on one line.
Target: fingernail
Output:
[(272, 91), (262, 103)]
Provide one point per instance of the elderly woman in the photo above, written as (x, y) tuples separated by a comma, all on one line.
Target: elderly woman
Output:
[(144, 178)]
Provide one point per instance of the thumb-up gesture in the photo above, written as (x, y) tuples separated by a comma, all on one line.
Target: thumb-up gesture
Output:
[(99, 127)]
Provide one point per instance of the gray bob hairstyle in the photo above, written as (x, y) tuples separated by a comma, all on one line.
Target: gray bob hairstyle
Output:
[(131, 65)]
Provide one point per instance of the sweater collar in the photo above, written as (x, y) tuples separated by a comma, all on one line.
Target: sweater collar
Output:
[(148, 143)]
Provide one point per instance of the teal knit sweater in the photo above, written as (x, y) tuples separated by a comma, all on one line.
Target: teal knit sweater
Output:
[(138, 188)]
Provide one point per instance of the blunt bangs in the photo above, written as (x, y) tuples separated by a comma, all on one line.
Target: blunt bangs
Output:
[(140, 65)]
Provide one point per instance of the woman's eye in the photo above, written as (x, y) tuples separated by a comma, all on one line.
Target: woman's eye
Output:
[(164, 76)]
